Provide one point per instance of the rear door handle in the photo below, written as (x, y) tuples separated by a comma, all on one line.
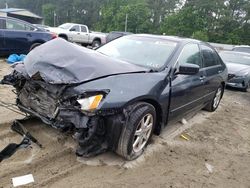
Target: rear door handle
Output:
[(220, 71), (29, 35), (202, 78)]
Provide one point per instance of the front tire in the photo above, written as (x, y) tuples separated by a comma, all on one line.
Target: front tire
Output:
[(137, 130), (247, 86), (214, 103)]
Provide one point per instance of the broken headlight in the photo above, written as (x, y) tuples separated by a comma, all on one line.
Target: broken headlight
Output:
[(90, 103)]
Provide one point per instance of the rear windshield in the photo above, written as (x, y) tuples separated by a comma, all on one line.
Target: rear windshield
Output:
[(238, 58), (65, 26), (143, 51)]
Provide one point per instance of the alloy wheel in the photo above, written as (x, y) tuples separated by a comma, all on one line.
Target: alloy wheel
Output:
[(143, 132), (217, 98)]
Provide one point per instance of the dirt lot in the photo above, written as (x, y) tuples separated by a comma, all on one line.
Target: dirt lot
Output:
[(217, 153)]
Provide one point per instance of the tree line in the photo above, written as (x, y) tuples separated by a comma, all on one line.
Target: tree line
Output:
[(222, 21)]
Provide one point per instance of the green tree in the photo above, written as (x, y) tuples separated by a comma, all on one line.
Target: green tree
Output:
[(113, 16), (200, 35), (224, 21), (159, 9), (48, 11)]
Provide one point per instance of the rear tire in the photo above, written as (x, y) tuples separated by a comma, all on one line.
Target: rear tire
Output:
[(137, 130), (63, 37), (214, 103), (33, 46), (246, 88)]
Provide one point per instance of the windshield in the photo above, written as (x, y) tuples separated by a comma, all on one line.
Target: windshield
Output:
[(239, 58), (65, 26), (142, 51)]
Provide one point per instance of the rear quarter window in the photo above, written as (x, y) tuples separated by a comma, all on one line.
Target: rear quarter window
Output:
[(83, 29), (210, 57)]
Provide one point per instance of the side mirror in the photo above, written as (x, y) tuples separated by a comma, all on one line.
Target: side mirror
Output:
[(72, 29), (188, 69)]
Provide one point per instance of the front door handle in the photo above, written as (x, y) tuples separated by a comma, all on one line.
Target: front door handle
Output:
[(29, 35), (220, 71)]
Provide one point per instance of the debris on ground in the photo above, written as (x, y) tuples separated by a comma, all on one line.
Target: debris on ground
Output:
[(12, 148), (14, 58), (184, 121), (209, 167), (185, 136), (22, 180)]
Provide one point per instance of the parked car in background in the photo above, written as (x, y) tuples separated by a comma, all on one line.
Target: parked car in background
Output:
[(17, 36), (116, 34), (238, 64), (116, 97), (79, 34), (242, 48)]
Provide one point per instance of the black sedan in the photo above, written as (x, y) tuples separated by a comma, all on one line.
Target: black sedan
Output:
[(116, 97), (17, 36)]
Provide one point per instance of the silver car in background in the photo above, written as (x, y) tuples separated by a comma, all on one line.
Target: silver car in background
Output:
[(242, 48), (238, 64)]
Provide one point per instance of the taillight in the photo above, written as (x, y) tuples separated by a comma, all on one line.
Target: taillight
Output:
[(104, 40), (54, 35)]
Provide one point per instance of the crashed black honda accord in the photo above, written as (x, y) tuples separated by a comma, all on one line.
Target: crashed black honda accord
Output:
[(114, 98)]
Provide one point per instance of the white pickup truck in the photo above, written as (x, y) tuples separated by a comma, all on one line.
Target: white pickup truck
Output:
[(79, 34)]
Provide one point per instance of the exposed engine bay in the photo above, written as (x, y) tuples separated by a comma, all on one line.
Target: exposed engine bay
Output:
[(46, 101)]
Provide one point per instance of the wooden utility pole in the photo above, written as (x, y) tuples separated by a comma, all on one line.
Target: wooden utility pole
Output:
[(126, 23)]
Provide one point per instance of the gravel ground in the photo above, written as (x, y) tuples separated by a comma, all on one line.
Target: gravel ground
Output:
[(216, 154)]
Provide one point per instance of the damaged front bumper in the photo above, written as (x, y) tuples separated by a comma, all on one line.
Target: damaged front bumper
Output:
[(240, 82), (95, 132)]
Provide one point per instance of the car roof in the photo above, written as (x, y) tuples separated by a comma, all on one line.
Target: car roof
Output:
[(4, 17), (120, 32), (242, 46), (74, 24), (172, 38), (9, 17), (235, 52)]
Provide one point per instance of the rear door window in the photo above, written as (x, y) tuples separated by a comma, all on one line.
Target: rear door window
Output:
[(210, 57), (190, 54), (14, 25), (18, 26), (83, 29), (29, 28)]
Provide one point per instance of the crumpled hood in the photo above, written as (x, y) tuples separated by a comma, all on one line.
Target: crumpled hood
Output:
[(61, 62), (234, 68)]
